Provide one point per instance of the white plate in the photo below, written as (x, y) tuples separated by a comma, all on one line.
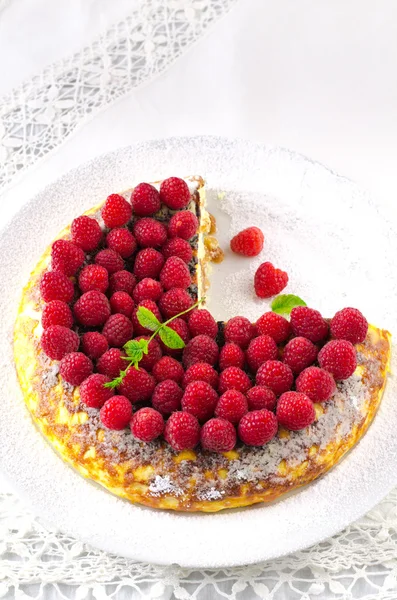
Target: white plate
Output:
[(338, 251)]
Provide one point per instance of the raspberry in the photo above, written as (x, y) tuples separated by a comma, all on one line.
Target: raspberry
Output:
[(168, 368), (150, 233), (56, 286), (94, 344), (269, 281), (93, 277), (182, 431), (295, 411), (202, 322), (111, 363), (86, 233), (147, 289), (147, 424), (117, 330), (153, 356), (122, 303), (121, 241), (308, 323), (316, 383), (93, 392), (201, 371), (167, 397), (145, 200), (92, 309), (181, 328), (200, 400), (240, 331), (116, 413), (339, 358), (234, 378), (116, 211), (66, 257), (248, 242), (137, 385), (257, 427), (178, 247), (232, 405), (174, 193), (148, 263), (175, 274), (231, 355), (261, 397), (75, 367), (57, 341), (183, 224), (261, 349), (150, 305), (299, 353), (218, 435), (57, 312), (122, 281), (175, 301), (349, 324), (110, 260), (275, 375), (274, 325), (200, 349)]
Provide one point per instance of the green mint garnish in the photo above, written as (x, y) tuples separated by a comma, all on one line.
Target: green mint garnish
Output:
[(147, 319), (171, 338), (284, 303)]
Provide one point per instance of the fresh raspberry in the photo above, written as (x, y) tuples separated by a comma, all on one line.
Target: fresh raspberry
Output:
[(269, 281), (150, 233), (183, 224), (178, 247), (168, 368), (299, 353), (153, 356), (202, 322), (57, 341), (275, 375), (167, 397), (295, 411), (200, 399), (145, 200), (93, 391), (117, 330), (274, 325), (261, 349), (148, 263), (232, 405), (122, 303), (316, 383), (116, 211), (116, 413), (261, 397), (54, 285), (257, 427), (122, 281), (218, 435), (240, 331), (182, 431), (234, 378), (147, 424), (93, 277), (308, 323), (92, 309), (174, 193), (249, 242), (86, 233), (150, 305), (111, 363), (121, 241), (175, 301), (201, 371), (181, 328), (200, 349), (175, 273), (56, 312), (339, 358), (94, 344), (110, 260), (231, 355), (66, 257), (349, 324), (75, 367), (138, 385), (147, 289)]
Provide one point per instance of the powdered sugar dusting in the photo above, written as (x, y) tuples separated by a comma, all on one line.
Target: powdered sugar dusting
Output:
[(163, 485)]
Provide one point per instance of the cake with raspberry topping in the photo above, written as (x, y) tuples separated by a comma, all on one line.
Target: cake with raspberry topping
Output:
[(140, 389)]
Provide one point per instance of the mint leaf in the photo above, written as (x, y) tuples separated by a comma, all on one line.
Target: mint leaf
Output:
[(115, 382), (171, 338), (147, 319), (284, 303)]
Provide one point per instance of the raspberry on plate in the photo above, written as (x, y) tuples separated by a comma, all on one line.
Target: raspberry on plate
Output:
[(339, 358), (153, 356), (92, 309), (147, 289), (234, 378), (231, 355), (167, 397), (178, 247), (269, 281), (218, 435), (145, 200), (181, 328), (117, 330), (121, 241), (201, 371), (249, 242), (183, 224), (86, 233), (54, 285), (138, 385), (295, 411), (66, 257), (201, 321), (232, 406), (182, 431), (202, 348), (148, 263), (200, 399), (116, 413), (93, 277), (259, 397), (93, 391), (57, 341), (168, 368), (240, 331), (175, 301), (275, 375), (308, 322), (121, 302), (258, 427), (149, 233), (274, 325), (299, 353), (57, 312), (174, 193), (122, 281), (349, 324), (261, 349), (316, 383), (150, 305), (175, 274), (111, 363), (110, 260), (116, 211), (147, 424), (75, 367), (94, 344)]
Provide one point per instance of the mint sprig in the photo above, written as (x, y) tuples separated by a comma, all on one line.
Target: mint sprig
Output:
[(284, 303)]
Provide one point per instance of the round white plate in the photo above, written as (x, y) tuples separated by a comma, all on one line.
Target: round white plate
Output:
[(338, 251)]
